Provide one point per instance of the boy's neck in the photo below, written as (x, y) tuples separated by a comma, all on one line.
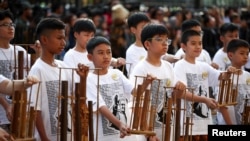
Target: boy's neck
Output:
[(101, 71), (4, 44), (138, 43), (189, 59), (154, 60), (49, 59), (79, 48)]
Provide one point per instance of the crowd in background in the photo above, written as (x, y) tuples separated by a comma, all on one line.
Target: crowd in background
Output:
[(112, 23)]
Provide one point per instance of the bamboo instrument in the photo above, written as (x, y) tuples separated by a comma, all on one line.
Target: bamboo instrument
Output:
[(23, 115), (143, 112), (228, 90)]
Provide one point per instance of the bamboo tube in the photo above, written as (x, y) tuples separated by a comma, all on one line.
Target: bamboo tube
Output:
[(31, 122), (178, 118), (91, 130), (76, 112), (145, 108), (168, 119), (23, 113), (221, 91), (187, 128), (137, 108), (84, 110), (151, 118), (64, 110)]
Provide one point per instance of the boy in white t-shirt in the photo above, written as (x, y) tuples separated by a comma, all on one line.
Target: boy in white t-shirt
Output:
[(114, 92), (237, 52), (199, 76), (155, 40), (51, 34)]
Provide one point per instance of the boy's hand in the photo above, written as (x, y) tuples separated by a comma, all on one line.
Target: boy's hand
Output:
[(214, 65), (4, 136), (82, 70), (30, 80), (153, 138), (118, 62), (124, 130), (211, 103), (179, 89)]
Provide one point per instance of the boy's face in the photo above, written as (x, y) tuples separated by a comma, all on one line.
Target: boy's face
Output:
[(138, 29), (157, 45), (54, 41), (7, 29), (193, 47), (228, 37), (101, 56), (83, 37), (239, 57)]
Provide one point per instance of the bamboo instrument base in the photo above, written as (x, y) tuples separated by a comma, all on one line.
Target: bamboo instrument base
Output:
[(227, 104), (149, 133), (26, 139)]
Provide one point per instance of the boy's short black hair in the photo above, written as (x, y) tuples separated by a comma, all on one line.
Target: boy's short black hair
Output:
[(188, 24), (235, 44), (228, 27), (150, 30), (187, 34), (93, 42), (136, 18), (6, 14), (49, 24), (84, 24)]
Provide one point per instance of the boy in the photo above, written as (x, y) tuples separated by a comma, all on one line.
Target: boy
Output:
[(197, 75), (228, 31), (195, 25), (8, 58), (237, 51), (51, 34), (84, 29), (154, 38), (114, 91), (136, 51)]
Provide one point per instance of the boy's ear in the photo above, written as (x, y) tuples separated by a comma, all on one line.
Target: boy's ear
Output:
[(133, 30), (75, 34), (183, 46), (147, 44), (90, 57), (229, 55)]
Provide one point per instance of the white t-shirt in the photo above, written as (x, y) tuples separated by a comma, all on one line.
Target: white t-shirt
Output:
[(134, 54), (46, 95), (203, 57), (236, 111), (165, 73), (72, 58), (221, 59), (7, 68), (198, 76), (114, 92)]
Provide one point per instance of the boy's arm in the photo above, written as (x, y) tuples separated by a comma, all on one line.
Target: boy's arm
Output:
[(7, 107), (225, 115), (210, 102), (107, 114), (40, 127)]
